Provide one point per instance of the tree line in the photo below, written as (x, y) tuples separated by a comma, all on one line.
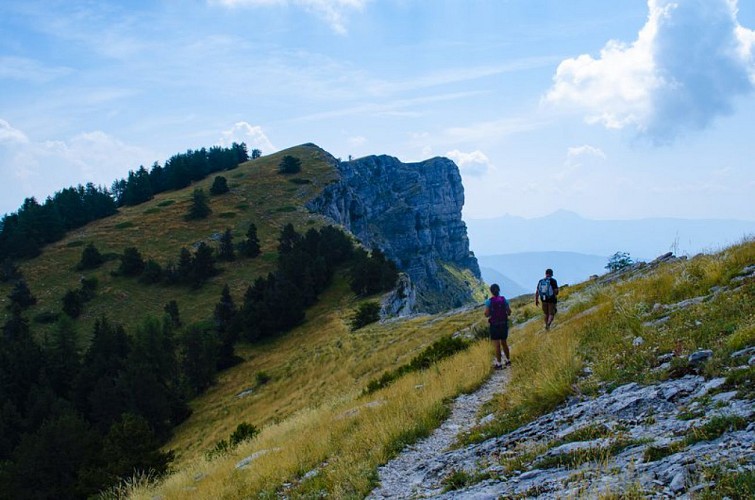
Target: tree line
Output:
[(25, 232), (74, 424)]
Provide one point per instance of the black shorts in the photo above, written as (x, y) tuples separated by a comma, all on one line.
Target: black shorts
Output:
[(499, 332)]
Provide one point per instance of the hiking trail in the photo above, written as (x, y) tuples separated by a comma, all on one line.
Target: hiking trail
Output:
[(419, 469)]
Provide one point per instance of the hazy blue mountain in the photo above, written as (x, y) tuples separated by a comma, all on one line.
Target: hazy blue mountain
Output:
[(509, 287), (644, 239), (526, 268)]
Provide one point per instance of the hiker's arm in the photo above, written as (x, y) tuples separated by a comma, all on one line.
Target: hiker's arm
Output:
[(537, 298)]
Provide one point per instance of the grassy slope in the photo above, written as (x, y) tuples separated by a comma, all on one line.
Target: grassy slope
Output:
[(315, 419), (157, 228)]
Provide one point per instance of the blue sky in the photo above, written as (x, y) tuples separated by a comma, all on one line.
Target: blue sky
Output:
[(630, 109)]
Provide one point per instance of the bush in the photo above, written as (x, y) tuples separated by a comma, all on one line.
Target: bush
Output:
[(73, 303), (289, 165), (91, 258), (219, 186), (243, 432), (152, 273), (367, 312), (262, 378), (132, 263)]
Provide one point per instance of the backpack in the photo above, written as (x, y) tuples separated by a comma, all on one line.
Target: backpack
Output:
[(545, 289), (498, 313)]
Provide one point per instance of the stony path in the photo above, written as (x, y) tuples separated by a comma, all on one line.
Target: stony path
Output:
[(414, 473)]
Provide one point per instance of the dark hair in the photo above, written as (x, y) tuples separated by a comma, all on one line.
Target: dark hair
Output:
[(495, 289), (549, 272)]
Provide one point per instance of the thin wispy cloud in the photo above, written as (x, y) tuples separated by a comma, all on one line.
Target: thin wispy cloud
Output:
[(688, 65), (491, 130), (333, 12), (29, 70)]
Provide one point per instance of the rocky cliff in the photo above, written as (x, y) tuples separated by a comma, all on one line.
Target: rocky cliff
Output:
[(412, 212)]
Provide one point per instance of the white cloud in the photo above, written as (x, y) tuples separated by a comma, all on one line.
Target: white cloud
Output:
[(38, 169), (10, 134), (475, 164), (252, 135), (332, 12), (573, 153), (687, 65)]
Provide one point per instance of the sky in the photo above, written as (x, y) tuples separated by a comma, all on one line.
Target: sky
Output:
[(613, 110)]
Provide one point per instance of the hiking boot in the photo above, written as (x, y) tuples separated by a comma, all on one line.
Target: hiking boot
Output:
[(497, 366), (508, 363)]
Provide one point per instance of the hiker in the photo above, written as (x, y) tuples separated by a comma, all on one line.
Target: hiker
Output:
[(497, 310), (547, 290)]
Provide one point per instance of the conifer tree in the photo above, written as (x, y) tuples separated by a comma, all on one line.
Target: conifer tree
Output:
[(251, 247), (200, 207), (226, 251), (91, 258), (21, 296), (219, 186), (225, 318)]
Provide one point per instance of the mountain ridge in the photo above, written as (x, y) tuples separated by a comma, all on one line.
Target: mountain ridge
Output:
[(643, 238)]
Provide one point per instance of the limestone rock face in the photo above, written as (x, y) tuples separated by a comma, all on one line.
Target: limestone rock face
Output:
[(412, 212)]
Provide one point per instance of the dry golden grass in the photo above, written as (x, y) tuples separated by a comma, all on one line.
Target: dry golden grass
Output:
[(313, 414)]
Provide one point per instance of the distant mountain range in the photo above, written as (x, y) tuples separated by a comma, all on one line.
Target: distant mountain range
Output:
[(518, 273), (514, 251), (565, 231)]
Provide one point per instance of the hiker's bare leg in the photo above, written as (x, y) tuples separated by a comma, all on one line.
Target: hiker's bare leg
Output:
[(497, 346), (505, 346)]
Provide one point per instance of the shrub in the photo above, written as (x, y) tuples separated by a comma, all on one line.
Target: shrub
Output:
[(244, 432), (132, 263), (91, 258), (367, 312), (152, 273), (289, 165), (219, 186), (262, 378), (73, 303)]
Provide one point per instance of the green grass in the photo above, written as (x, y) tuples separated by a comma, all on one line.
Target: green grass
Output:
[(161, 235)]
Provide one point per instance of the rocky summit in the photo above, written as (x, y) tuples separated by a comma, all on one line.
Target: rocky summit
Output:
[(412, 212)]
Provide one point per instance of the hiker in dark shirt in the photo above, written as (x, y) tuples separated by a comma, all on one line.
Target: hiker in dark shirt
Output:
[(497, 310), (547, 291)]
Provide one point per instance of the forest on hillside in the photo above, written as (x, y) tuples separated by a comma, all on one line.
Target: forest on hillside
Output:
[(73, 424)]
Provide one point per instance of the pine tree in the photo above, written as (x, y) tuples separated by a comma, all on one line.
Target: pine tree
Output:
[(251, 247), (226, 251), (219, 186), (91, 258), (200, 207), (21, 296), (225, 319)]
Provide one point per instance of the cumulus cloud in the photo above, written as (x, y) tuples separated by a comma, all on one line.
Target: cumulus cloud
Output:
[(475, 164), (29, 168), (332, 12), (252, 135), (687, 66)]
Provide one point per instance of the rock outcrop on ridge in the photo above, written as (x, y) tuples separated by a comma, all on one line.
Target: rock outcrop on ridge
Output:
[(412, 212)]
